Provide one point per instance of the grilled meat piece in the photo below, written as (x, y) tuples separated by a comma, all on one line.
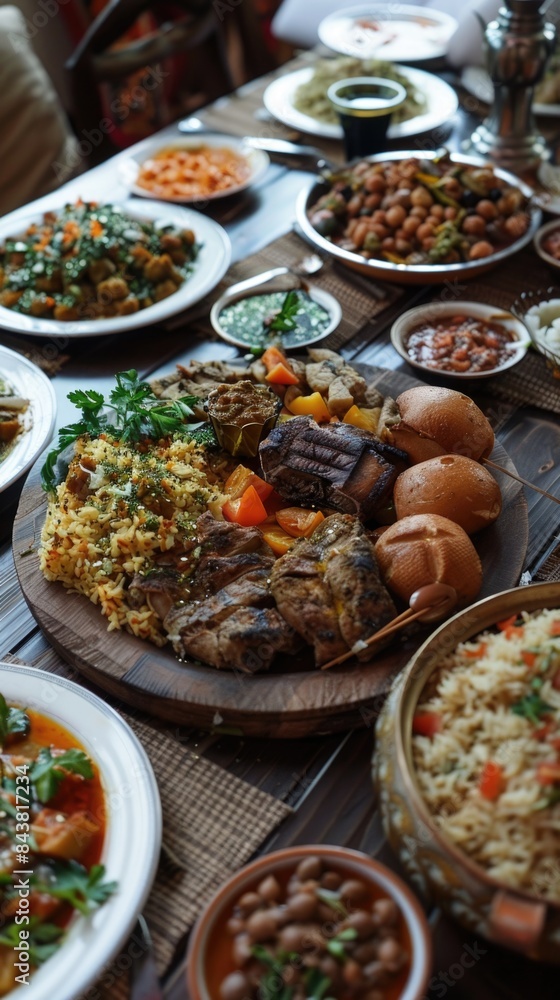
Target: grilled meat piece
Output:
[(222, 538), (329, 589), (334, 465), (230, 619), (247, 640), (159, 589)]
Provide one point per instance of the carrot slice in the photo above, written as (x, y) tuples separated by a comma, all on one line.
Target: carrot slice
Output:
[(278, 539), (281, 375), (272, 357), (491, 781), (426, 724)]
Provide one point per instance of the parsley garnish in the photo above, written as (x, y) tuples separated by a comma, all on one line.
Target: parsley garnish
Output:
[(531, 707), (132, 411), (43, 939), (72, 882), (284, 321), (48, 772), (12, 721)]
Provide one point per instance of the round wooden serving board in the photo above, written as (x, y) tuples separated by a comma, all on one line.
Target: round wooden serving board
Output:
[(294, 699)]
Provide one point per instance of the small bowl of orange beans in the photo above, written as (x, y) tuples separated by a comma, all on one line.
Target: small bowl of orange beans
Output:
[(316, 921), (460, 340)]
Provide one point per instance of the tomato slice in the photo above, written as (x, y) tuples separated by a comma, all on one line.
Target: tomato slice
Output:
[(247, 510), (426, 724), (548, 773), (241, 478), (491, 781), (298, 521)]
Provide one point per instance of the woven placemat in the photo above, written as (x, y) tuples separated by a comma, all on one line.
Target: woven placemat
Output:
[(212, 823), (361, 300)]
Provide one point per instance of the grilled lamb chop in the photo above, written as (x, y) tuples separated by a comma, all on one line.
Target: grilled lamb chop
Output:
[(328, 587), (230, 619), (334, 465)]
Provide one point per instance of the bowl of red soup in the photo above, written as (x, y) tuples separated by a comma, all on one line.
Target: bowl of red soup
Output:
[(81, 833), (464, 340), (318, 921)]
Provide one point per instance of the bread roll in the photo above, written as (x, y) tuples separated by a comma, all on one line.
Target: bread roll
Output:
[(436, 421), (428, 548), (453, 486)]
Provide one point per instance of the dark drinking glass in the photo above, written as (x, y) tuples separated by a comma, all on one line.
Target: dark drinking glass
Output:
[(365, 105)]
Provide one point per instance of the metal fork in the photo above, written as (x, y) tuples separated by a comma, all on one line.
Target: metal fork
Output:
[(144, 980)]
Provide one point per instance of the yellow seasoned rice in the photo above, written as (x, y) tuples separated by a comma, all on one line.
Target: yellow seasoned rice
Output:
[(96, 544), (516, 836)]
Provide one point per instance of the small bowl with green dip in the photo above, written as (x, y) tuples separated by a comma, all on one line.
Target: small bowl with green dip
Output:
[(291, 318)]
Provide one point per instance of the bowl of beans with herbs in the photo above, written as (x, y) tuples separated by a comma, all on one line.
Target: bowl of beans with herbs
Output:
[(311, 922), (460, 340), (418, 218)]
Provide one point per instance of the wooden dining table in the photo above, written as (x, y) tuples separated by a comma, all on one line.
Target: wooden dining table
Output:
[(325, 780)]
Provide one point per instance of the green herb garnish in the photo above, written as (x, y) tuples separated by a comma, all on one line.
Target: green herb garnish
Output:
[(132, 411), (43, 939), (12, 721), (284, 321), (48, 772), (73, 883), (531, 707)]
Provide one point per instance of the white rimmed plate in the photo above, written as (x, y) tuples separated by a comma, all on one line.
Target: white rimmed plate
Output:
[(432, 311), (133, 839), (477, 82), (441, 104), (37, 420), (256, 159), (541, 234), (404, 33), (209, 268)]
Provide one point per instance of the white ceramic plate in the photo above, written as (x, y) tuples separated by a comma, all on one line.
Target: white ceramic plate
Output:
[(404, 33), (477, 82), (441, 104), (256, 160), (541, 234), (433, 311), (38, 419), (209, 268), (133, 840)]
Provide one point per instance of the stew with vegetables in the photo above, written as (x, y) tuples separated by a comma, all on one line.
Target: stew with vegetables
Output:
[(52, 828), (91, 261), (318, 932), (461, 344)]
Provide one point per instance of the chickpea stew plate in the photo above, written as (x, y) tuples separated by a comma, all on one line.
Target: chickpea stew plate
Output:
[(459, 340), (444, 193), (208, 264)]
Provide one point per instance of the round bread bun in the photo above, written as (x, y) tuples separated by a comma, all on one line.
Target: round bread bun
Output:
[(453, 486), (436, 421), (428, 548)]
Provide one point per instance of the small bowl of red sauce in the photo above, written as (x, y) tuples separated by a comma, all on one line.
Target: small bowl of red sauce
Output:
[(547, 243), (316, 921), (465, 340)]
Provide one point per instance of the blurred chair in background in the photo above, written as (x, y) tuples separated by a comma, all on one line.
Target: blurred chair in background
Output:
[(141, 65), (37, 149)]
